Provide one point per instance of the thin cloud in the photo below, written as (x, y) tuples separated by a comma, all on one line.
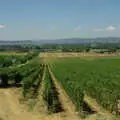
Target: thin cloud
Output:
[(110, 28), (2, 26)]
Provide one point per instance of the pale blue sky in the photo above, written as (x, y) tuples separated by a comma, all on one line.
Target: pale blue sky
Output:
[(52, 19)]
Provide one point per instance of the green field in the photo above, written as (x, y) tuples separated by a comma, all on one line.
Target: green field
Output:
[(12, 53), (98, 78)]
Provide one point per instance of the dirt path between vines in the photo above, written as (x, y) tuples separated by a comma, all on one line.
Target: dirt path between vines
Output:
[(101, 112), (68, 106), (40, 106)]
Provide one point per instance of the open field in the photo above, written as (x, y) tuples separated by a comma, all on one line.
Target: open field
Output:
[(73, 54)]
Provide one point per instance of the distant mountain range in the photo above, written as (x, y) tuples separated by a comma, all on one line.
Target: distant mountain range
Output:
[(63, 41)]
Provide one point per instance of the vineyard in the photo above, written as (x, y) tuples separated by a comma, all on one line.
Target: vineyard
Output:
[(78, 78), (8, 60), (96, 78), (28, 76), (50, 94)]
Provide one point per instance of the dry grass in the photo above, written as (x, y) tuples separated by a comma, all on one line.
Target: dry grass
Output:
[(73, 55)]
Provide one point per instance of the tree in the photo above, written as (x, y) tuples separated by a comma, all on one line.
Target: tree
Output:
[(3, 80), (18, 78)]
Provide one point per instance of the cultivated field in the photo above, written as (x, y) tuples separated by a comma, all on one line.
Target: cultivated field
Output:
[(64, 86), (88, 78)]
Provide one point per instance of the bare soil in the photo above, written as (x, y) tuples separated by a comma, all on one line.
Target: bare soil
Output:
[(11, 109)]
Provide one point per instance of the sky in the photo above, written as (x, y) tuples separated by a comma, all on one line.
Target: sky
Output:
[(55, 19)]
